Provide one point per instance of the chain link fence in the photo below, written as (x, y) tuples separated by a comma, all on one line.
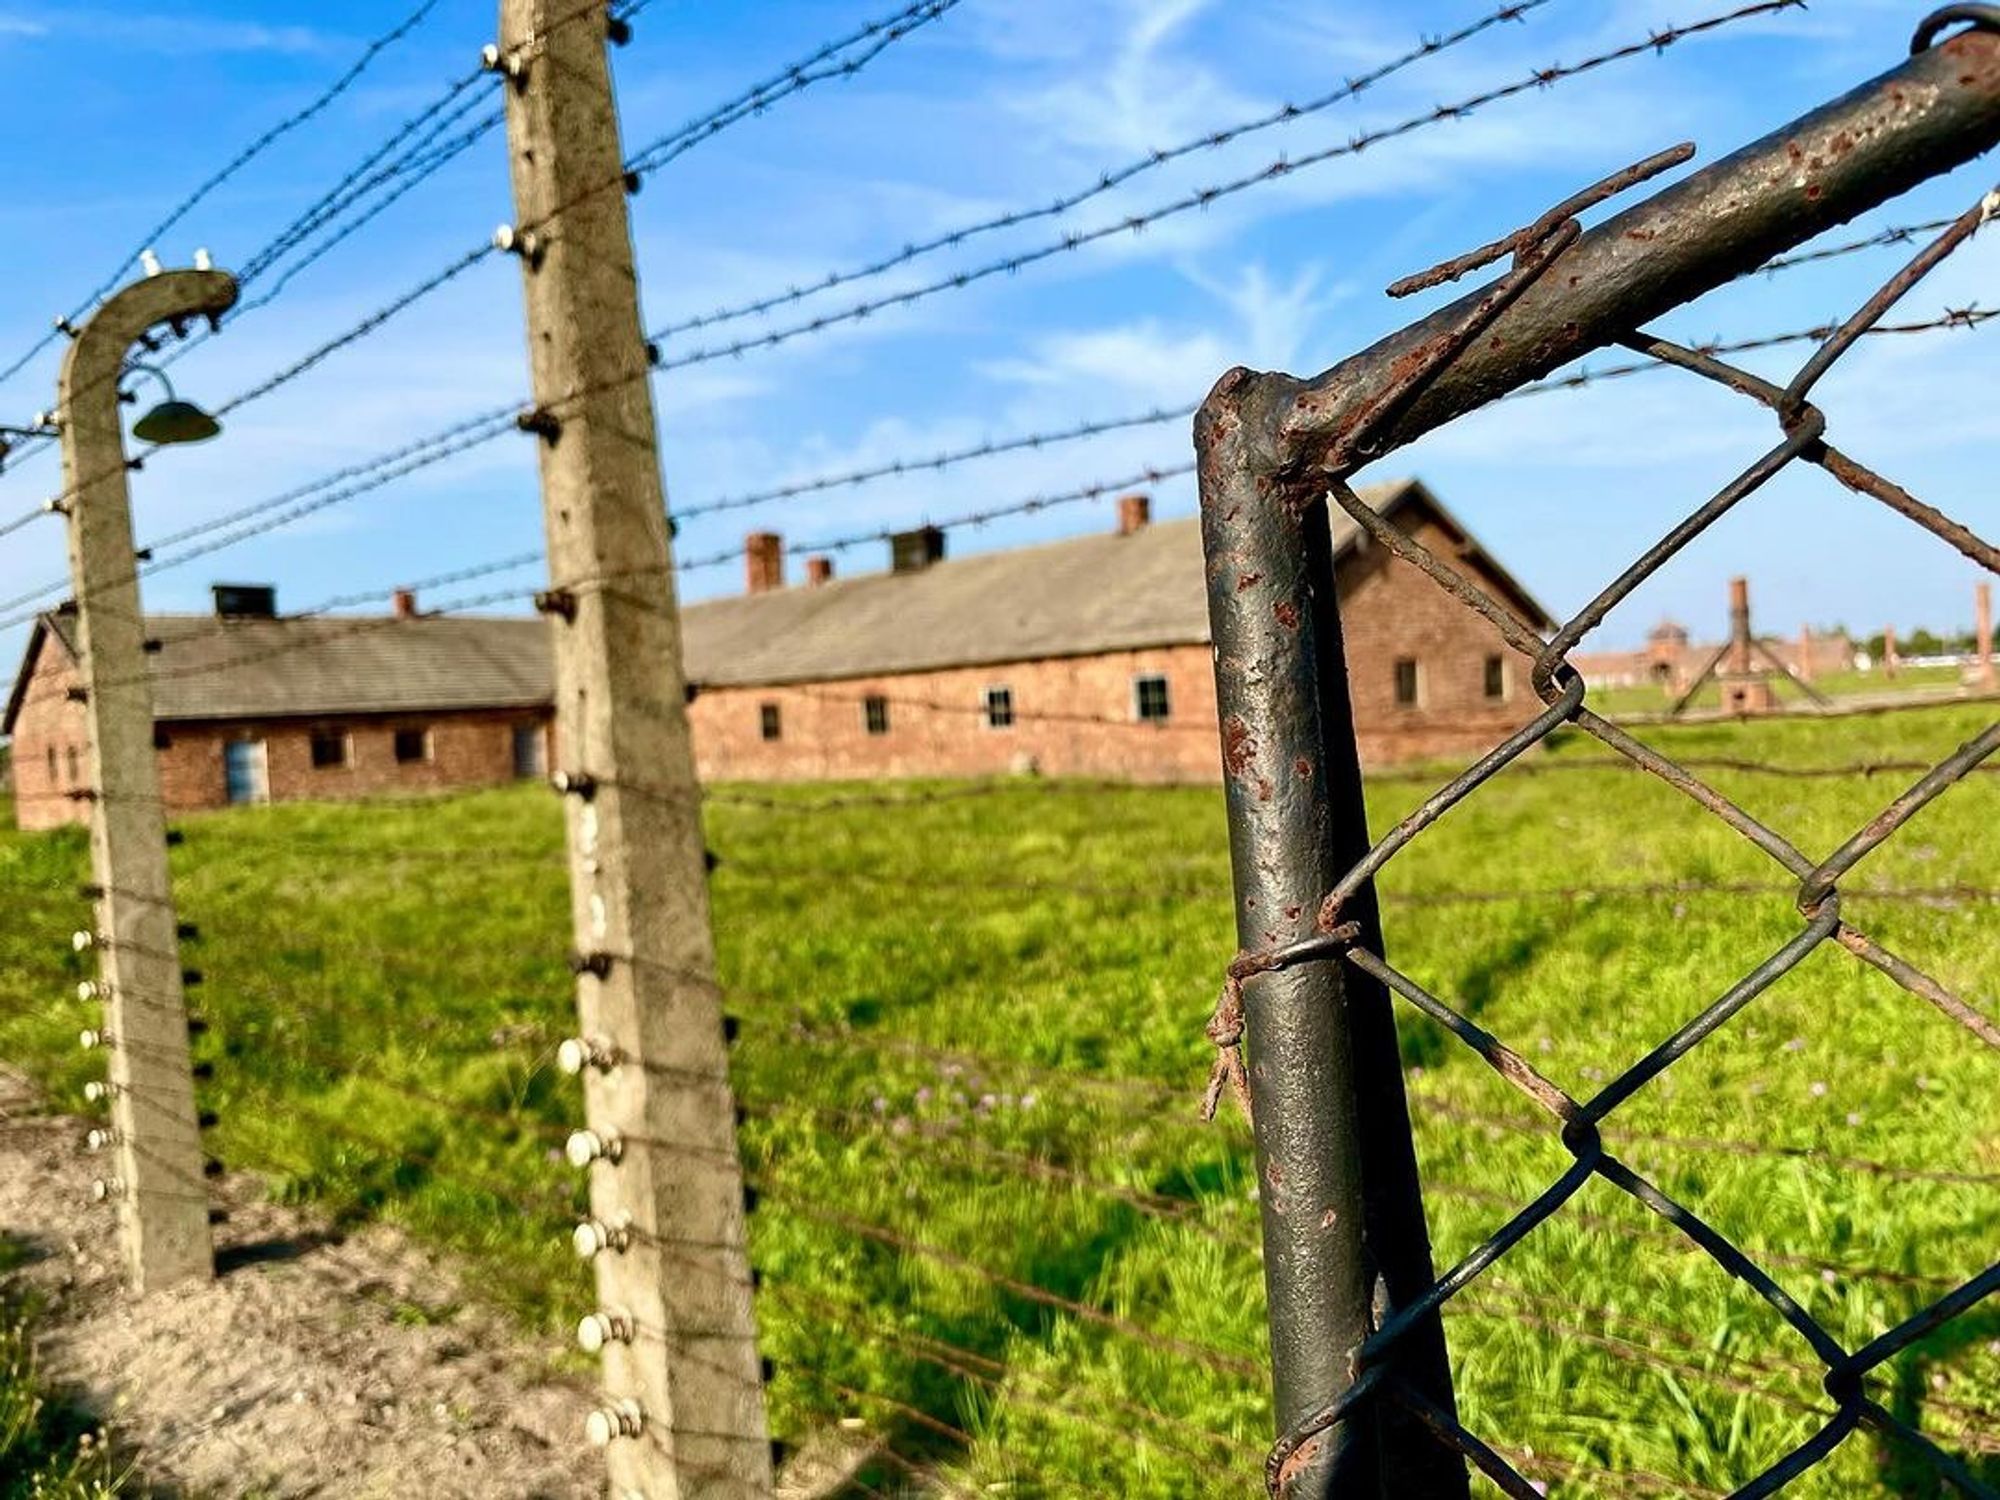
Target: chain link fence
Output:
[(1365, 1400)]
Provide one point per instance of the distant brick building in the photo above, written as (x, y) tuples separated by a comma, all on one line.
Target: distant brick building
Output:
[(252, 708), (1670, 660), (1086, 657)]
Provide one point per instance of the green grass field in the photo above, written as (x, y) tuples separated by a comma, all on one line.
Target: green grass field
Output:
[(972, 1026)]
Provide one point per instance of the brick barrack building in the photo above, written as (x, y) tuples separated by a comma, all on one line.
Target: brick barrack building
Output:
[(1086, 657)]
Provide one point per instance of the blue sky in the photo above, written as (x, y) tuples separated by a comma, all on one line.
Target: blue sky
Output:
[(1001, 103)]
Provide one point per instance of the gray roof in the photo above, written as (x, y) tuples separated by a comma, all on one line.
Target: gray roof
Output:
[(250, 668), (1082, 596), (1070, 598)]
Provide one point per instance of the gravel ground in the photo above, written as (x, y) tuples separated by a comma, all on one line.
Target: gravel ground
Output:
[(315, 1365)]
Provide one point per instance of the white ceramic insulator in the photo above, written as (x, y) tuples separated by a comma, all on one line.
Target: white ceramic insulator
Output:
[(90, 1037), (593, 1237), (88, 990), (96, 1092), (600, 1328), (580, 1052), (82, 941), (100, 1140), (587, 1146), (202, 260), (626, 1419), (105, 1189)]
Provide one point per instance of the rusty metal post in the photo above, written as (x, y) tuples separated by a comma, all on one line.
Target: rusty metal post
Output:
[(1344, 1233), (684, 1408), (1937, 110), (158, 1185)]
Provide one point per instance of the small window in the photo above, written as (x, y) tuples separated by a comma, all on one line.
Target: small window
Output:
[(1496, 677), (769, 724), (1407, 684), (412, 745), (69, 758), (531, 756), (329, 749), (52, 765), (999, 708), (875, 713), (1149, 699)]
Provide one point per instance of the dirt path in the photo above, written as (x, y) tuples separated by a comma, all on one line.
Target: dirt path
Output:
[(315, 1366)]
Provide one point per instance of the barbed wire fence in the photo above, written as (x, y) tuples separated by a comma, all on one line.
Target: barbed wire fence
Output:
[(894, 1106)]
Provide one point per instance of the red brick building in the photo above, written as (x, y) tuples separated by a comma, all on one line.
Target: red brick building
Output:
[(1085, 657), (1670, 659), (249, 707)]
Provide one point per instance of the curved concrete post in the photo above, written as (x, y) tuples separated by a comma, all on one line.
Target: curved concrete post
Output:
[(158, 1183)]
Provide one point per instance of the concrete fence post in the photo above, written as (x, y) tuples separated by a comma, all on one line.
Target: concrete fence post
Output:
[(157, 1182), (684, 1403), (1982, 636)]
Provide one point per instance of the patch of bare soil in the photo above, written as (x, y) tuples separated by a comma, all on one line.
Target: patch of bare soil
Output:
[(315, 1365)]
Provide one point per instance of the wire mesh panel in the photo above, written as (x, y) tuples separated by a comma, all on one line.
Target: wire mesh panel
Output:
[(1363, 1404)]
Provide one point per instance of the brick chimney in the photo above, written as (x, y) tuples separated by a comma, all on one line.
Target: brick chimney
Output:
[(1135, 512), (913, 551), (819, 570), (764, 562), (404, 604), (245, 601)]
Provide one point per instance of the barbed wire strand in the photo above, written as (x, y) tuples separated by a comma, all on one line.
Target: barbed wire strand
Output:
[(1204, 197), (1112, 177), (235, 164)]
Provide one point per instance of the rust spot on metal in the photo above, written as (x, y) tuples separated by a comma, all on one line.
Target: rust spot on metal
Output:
[(1292, 912), (1264, 789), (1301, 1459), (1287, 613), (1304, 768), (1328, 1219), (1239, 746), (1248, 580), (1813, 191), (1643, 236)]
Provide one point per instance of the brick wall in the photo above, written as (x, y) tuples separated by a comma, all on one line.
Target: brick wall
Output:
[(1077, 716), (462, 750), (51, 746)]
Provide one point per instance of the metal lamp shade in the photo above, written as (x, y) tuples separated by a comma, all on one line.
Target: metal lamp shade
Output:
[(176, 421)]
